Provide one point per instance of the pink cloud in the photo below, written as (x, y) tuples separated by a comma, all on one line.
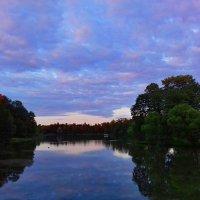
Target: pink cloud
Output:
[(76, 55), (7, 23), (74, 117), (82, 34)]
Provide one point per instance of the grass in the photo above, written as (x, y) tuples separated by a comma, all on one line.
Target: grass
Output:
[(16, 140)]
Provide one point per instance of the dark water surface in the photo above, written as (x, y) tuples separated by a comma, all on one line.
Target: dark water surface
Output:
[(98, 170)]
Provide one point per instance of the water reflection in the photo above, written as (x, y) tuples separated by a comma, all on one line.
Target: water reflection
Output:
[(77, 147), (72, 147), (167, 173), (60, 171), (98, 169), (14, 158)]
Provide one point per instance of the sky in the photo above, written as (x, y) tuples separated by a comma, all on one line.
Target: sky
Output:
[(87, 60)]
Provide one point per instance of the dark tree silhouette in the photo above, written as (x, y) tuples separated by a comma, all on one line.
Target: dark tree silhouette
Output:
[(15, 120), (158, 111)]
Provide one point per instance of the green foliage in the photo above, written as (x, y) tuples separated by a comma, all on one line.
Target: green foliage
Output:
[(20, 140), (141, 106), (181, 89), (24, 120), (15, 120), (175, 90), (6, 124), (175, 108), (132, 131), (184, 122), (116, 129), (152, 127)]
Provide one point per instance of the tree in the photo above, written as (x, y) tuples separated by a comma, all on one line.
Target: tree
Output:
[(31, 123), (141, 107), (155, 97), (184, 122), (152, 127), (179, 82), (15, 120), (24, 120), (150, 101), (181, 89), (175, 90), (6, 124), (162, 102)]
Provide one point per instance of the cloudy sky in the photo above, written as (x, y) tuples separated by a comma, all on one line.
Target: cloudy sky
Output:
[(87, 60)]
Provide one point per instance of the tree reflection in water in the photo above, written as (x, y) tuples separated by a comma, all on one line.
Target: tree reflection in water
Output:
[(161, 173), (167, 173), (14, 158)]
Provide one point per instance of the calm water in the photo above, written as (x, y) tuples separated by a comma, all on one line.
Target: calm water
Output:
[(98, 170)]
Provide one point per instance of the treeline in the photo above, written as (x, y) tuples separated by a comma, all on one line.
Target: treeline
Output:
[(168, 114), (116, 129), (15, 120)]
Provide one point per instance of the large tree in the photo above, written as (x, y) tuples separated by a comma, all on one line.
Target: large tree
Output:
[(15, 120), (168, 112), (175, 90), (181, 89)]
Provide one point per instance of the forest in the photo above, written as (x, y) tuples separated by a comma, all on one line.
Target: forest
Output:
[(15, 120), (168, 114), (116, 129)]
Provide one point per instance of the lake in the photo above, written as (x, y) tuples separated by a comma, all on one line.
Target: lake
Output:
[(98, 169)]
